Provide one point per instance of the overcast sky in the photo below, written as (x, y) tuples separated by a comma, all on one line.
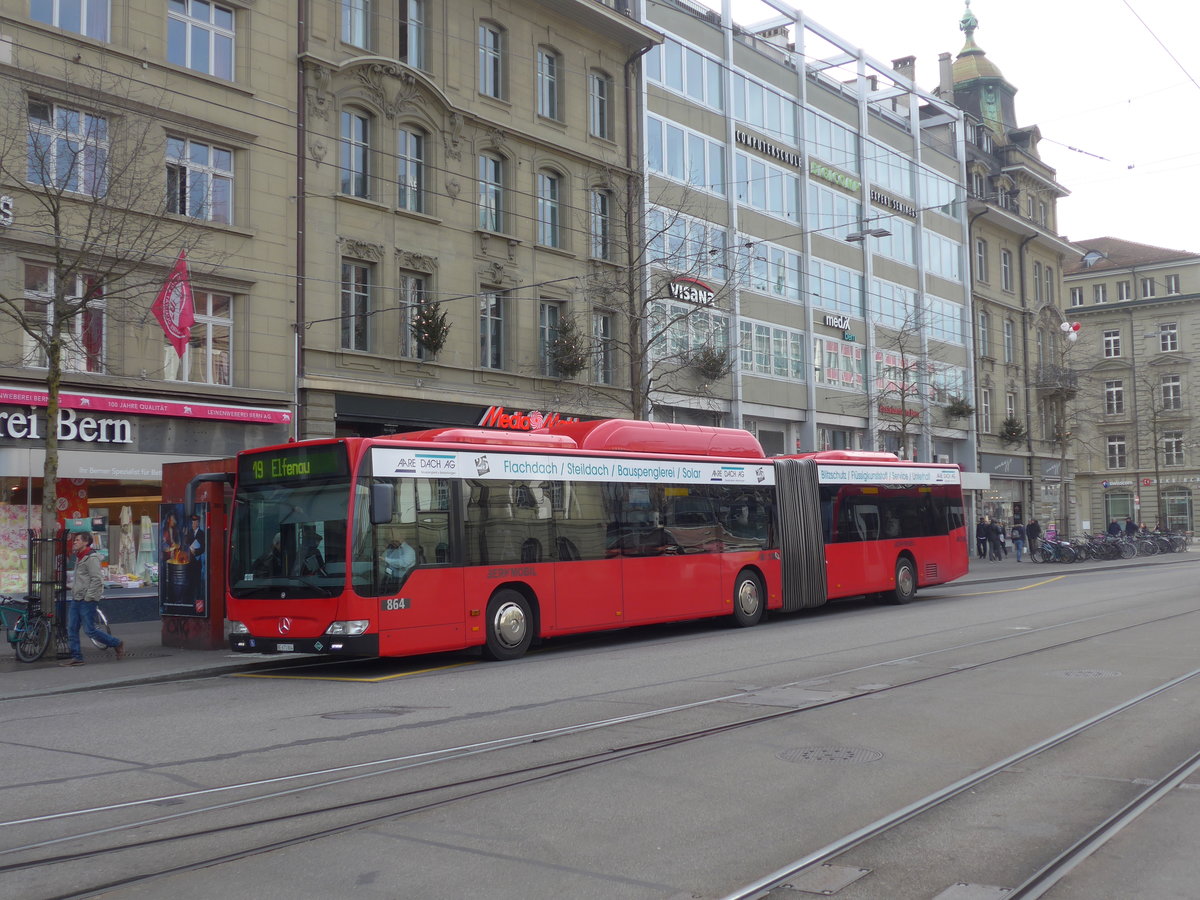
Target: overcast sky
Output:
[(1118, 80)]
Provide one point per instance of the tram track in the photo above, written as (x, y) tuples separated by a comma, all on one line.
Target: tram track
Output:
[(364, 812), (1047, 875)]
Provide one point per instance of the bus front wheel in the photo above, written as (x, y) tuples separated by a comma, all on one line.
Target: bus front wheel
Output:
[(748, 604), (509, 625), (906, 582)]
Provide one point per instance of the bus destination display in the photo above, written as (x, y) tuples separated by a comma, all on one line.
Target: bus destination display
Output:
[(290, 465)]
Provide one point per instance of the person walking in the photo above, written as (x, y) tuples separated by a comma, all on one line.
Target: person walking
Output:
[(1002, 532), (85, 595), (994, 551), (981, 537), (1131, 528), (1018, 538)]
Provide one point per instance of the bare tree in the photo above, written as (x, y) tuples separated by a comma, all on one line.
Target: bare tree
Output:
[(673, 293), (1058, 384), (83, 147), (902, 382)]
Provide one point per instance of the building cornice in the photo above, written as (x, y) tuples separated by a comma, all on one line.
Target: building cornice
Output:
[(1021, 228)]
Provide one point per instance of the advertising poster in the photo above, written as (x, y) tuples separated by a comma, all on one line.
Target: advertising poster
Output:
[(183, 561)]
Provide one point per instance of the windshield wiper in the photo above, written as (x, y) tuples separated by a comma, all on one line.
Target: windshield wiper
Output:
[(316, 585)]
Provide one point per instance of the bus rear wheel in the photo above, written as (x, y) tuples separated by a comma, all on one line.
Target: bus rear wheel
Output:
[(509, 625), (748, 604), (906, 582)]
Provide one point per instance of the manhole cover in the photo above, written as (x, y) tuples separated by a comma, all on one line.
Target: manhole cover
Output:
[(1091, 673), (382, 713), (830, 755)]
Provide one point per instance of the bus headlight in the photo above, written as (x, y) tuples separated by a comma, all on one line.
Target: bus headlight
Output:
[(352, 626), (238, 628)]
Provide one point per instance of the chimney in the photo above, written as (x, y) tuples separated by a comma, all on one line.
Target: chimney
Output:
[(906, 66), (777, 37), (945, 77)]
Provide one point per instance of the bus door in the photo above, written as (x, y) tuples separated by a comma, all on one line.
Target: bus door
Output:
[(856, 554), (587, 582), (669, 541), (407, 569)]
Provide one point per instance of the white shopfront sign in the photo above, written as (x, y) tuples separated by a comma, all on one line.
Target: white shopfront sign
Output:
[(29, 462)]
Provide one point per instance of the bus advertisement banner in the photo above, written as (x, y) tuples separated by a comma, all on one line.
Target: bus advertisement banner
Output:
[(406, 462), (909, 476)]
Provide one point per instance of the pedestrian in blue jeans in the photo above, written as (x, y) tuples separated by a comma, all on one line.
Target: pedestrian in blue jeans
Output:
[(1018, 538), (85, 594)]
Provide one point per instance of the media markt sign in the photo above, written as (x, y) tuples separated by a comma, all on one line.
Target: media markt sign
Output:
[(497, 417)]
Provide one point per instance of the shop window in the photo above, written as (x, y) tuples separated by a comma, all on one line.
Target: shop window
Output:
[(1118, 505), (1177, 507)]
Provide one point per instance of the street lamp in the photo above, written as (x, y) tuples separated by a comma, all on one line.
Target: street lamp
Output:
[(859, 236), (1070, 332)]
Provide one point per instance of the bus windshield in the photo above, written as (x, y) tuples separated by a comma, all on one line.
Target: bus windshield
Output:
[(288, 534)]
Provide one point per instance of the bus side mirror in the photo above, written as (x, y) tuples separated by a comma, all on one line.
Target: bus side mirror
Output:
[(382, 504)]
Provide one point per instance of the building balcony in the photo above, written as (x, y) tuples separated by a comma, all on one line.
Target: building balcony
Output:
[(1056, 380)]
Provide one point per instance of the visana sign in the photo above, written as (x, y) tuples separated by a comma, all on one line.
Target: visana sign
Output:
[(692, 290), (71, 427)]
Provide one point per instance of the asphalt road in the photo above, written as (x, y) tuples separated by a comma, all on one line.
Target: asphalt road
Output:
[(667, 762)]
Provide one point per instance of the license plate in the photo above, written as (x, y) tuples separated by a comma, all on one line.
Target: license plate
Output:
[(286, 648)]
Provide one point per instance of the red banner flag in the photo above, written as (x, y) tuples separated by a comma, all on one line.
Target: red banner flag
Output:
[(173, 307)]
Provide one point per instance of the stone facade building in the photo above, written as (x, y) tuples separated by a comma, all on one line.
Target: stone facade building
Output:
[(1017, 259), (463, 175), (397, 215), (1135, 425), (135, 131)]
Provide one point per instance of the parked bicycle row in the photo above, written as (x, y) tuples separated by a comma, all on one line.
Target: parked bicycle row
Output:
[(1108, 546)]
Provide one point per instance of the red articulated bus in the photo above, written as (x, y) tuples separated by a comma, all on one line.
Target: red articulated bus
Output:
[(462, 537)]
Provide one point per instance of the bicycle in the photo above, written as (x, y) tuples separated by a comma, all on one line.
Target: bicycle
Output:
[(1053, 551), (25, 627), (60, 633)]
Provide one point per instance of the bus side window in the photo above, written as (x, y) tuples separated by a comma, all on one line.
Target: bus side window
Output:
[(866, 521)]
